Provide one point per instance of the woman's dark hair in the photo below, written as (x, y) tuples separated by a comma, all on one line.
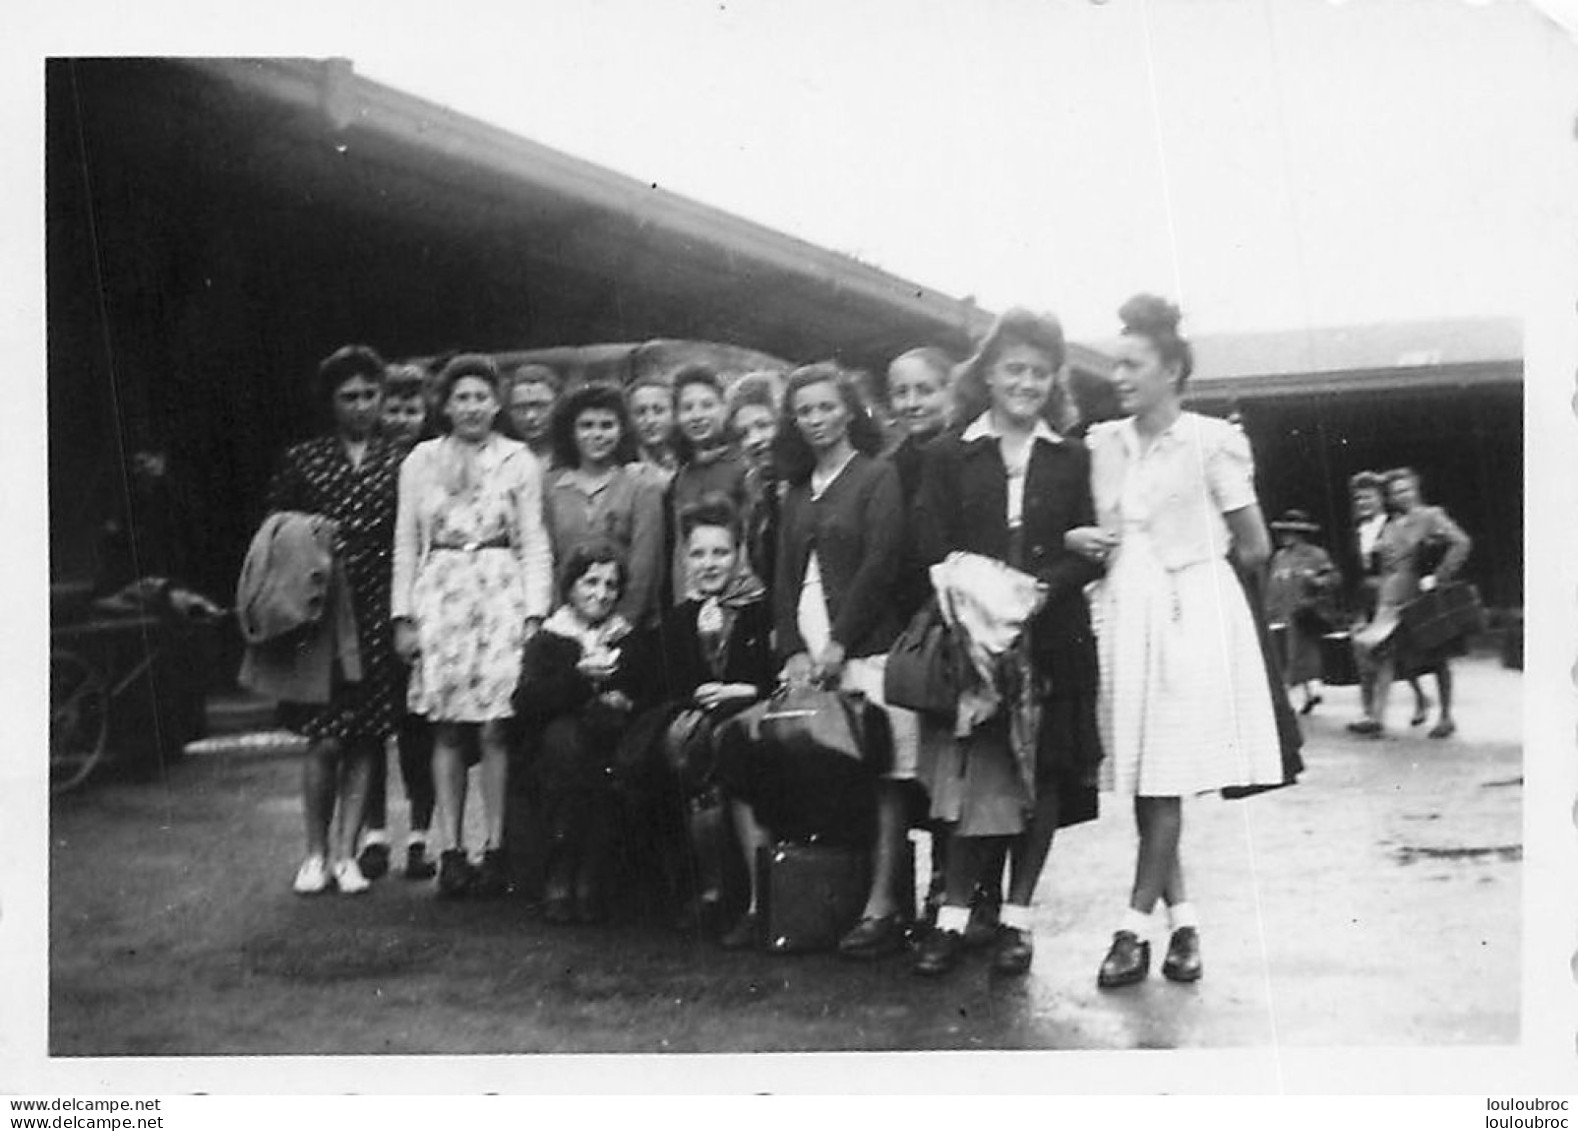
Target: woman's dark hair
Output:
[(605, 398), (759, 388), (345, 363), (792, 455), (1016, 326), (1156, 320), (593, 551), (712, 509), (694, 374), (459, 367)]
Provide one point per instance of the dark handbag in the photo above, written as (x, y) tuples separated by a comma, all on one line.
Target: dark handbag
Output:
[(801, 721), (1338, 665), (1446, 613), (924, 670)]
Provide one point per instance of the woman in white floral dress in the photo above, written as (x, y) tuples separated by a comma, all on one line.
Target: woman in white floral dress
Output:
[(472, 580)]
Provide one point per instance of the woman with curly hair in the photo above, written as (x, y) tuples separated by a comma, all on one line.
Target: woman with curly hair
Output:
[(598, 492), (472, 581)]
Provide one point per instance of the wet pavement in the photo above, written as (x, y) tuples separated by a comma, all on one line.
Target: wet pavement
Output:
[(1376, 903)]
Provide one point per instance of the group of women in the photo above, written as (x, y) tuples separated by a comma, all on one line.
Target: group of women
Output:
[(646, 562)]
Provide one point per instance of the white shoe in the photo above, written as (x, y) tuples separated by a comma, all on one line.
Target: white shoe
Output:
[(349, 879), (312, 878)]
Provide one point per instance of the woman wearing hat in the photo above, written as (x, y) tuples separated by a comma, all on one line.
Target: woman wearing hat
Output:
[(1300, 591)]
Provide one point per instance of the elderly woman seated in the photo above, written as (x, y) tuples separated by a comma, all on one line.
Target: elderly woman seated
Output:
[(574, 702)]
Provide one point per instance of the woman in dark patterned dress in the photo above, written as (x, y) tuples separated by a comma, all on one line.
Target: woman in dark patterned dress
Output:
[(350, 477)]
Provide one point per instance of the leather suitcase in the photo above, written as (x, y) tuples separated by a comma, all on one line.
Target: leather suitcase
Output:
[(1339, 668), (810, 895), (1446, 613)]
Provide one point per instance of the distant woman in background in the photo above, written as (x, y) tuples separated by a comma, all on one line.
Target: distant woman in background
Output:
[(709, 462), (651, 404), (1301, 592), (1419, 548), (403, 422), (753, 424), (472, 580), (530, 396)]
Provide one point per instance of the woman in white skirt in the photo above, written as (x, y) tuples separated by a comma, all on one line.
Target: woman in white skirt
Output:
[(1184, 705)]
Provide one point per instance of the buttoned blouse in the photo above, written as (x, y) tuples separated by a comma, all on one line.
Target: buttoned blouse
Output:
[(501, 467), (626, 509), (1176, 489)]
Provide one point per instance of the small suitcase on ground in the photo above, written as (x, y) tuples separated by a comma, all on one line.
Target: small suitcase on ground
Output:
[(810, 895), (1338, 666)]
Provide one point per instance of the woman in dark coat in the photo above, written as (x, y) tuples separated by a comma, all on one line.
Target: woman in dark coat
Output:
[(840, 544), (1007, 486), (714, 658)]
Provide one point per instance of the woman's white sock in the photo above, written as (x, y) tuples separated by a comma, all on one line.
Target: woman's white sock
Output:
[(1136, 921), (950, 918), (1182, 915)]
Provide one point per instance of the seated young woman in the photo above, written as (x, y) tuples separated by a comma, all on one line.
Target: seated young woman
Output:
[(574, 701), (714, 658)]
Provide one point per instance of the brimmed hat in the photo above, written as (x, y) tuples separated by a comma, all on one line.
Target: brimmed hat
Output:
[(1296, 520)]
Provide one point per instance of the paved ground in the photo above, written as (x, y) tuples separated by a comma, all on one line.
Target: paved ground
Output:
[(1375, 904)]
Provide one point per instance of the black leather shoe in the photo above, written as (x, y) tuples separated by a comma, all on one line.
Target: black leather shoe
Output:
[(418, 865), (492, 880), (454, 874), (1367, 727), (1182, 963), (873, 938), (374, 860), (1127, 962), (744, 935), (1012, 951), (938, 954)]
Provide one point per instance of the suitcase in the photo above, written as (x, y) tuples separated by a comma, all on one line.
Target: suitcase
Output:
[(1339, 668), (1447, 613), (810, 895)]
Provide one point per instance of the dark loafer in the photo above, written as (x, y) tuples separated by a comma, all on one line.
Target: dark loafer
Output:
[(939, 953), (492, 880), (1012, 951), (1127, 962), (374, 861), (1367, 727), (744, 935), (454, 874), (873, 937), (1446, 728), (1182, 963), (418, 865)]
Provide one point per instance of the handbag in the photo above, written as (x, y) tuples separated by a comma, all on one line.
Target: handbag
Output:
[(925, 670), (806, 721), (1442, 615)]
